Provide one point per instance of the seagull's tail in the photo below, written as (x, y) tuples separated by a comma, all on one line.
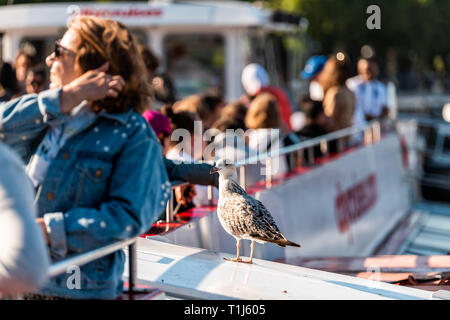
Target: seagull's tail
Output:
[(286, 242), (283, 242)]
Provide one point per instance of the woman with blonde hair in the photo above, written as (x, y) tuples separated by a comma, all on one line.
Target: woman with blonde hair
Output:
[(97, 166), (263, 120), (338, 102)]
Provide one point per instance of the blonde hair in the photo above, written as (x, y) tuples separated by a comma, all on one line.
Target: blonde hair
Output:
[(104, 40), (204, 105), (334, 73), (263, 112)]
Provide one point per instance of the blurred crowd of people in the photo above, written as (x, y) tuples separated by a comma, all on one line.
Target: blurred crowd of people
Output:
[(100, 174), (23, 77)]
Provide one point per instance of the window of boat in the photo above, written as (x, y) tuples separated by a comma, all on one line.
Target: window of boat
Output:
[(281, 54), (195, 62), (446, 147)]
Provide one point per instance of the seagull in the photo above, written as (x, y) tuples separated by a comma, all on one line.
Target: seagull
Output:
[(242, 216)]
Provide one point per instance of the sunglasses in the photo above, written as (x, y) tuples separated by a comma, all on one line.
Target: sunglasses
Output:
[(60, 50)]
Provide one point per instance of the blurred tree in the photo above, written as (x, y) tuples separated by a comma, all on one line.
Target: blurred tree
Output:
[(10, 2), (413, 32)]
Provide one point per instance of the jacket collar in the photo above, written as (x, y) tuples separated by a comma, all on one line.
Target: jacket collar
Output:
[(121, 117)]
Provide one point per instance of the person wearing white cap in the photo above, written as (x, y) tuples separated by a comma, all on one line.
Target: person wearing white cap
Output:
[(255, 80)]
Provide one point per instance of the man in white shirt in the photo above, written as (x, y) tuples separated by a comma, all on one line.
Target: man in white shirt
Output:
[(371, 94)]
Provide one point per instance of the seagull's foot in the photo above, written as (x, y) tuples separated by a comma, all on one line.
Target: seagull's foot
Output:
[(233, 259), (238, 260)]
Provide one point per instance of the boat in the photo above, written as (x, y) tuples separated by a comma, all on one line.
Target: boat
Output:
[(362, 235)]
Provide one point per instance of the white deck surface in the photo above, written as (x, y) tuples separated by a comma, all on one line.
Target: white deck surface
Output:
[(194, 273)]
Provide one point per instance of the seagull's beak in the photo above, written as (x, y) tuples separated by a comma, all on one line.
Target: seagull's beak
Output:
[(214, 169)]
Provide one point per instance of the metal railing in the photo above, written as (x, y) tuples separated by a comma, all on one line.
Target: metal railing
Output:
[(61, 266), (170, 212), (372, 133)]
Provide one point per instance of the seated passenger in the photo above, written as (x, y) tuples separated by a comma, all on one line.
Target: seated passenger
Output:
[(315, 119), (161, 126), (207, 106), (195, 173), (162, 85), (255, 80), (316, 125), (229, 140), (36, 80), (183, 150), (97, 166), (235, 111)]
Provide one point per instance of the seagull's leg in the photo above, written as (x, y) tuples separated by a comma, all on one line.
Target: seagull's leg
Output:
[(238, 247), (252, 247)]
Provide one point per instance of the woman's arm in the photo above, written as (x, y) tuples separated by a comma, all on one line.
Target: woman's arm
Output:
[(25, 119), (191, 172)]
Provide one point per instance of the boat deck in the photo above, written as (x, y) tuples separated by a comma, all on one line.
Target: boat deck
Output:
[(193, 273)]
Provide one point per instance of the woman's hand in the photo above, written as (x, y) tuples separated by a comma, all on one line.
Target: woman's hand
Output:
[(92, 85), (41, 223)]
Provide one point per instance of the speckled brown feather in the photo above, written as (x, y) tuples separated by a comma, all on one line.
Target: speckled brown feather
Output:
[(246, 217)]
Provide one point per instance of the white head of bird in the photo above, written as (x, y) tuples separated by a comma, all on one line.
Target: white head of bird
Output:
[(225, 168)]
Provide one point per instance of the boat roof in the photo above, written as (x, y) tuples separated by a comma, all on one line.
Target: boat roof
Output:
[(138, 14), (186, 272)]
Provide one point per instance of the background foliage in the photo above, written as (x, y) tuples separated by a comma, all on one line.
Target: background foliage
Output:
[(413, 40)]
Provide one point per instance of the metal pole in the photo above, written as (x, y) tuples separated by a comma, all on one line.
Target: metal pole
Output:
[(368, 136), (340, 145), (211, 195), (376, 131), (242, 177), (268, 173), (311, 155), (169, 211), (132, 267), (292, 161), (324, 147)]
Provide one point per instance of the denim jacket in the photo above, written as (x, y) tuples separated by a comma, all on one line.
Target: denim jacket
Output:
[(107, 183)]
